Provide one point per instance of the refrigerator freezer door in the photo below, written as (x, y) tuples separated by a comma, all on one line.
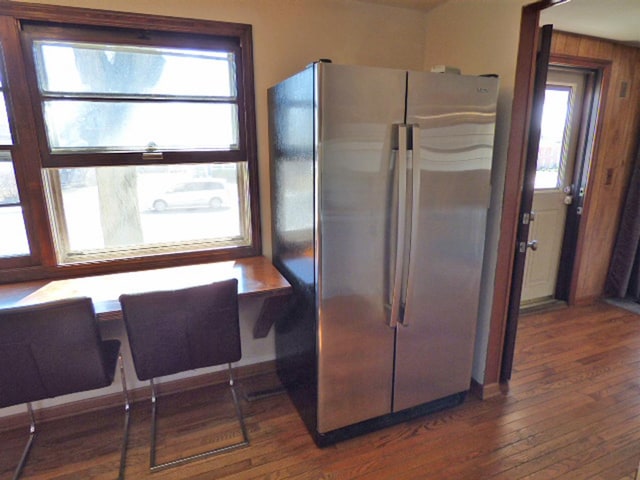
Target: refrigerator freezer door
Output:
[(357, 109), (456, 118)]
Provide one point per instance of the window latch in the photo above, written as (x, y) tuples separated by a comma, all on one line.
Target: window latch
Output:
[(152, 156), (152, 152)]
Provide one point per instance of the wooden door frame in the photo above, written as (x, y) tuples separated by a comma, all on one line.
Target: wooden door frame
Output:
[(592, 123), (514, 177), (523, 223)]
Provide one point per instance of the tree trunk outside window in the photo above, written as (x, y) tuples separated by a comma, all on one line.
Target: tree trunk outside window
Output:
[(116, 72)]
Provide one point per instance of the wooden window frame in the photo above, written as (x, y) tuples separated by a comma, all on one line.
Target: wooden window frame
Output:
[(31, 154)]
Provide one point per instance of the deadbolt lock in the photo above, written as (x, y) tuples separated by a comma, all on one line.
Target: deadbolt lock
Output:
[(527, 218), (533, 245)]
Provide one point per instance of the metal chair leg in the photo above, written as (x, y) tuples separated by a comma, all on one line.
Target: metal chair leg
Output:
[(125, 439), (127, 414), (154, 402), (153, 467), (245, 437), (27, 448)]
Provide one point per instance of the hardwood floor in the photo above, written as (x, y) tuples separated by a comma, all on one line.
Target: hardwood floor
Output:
[(572, 412)]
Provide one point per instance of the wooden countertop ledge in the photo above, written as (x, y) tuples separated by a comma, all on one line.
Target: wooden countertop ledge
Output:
[(256, 277)]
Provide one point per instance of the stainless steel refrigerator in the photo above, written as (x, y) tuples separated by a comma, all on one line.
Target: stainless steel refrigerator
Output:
[(380, 183)]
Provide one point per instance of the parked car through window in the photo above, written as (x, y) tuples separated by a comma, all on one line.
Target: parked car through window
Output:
[(195, 194)]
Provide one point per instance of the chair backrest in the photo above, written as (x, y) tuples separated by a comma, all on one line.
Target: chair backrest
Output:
[(48, 350), (179, 330)]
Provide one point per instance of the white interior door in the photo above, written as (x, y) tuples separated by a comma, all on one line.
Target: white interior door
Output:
[(561, 119)]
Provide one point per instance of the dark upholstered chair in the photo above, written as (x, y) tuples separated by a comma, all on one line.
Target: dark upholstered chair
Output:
[(53, 349), (176, 331)]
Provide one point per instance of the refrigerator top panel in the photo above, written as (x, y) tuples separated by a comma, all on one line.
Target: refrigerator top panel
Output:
[(358, 107), (457, 116)]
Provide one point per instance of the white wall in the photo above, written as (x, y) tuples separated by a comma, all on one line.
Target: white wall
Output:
[(479, 38)]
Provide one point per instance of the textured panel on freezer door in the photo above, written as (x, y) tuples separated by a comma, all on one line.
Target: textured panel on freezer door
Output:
[(456, 115), (292, 148), (357, 109)]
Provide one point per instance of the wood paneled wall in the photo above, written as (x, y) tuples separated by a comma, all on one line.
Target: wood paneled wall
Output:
[(613, 156)]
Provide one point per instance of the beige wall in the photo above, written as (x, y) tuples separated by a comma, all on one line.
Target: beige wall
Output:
[(287, 35), (480, 38), (477, 36), (290, 34)]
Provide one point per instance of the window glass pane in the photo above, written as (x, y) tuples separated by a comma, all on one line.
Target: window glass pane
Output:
[(551, 149), (8, 187), (150, 208), (13, 235), (73, 67), (13, 241), (82, 125), (5, 132)]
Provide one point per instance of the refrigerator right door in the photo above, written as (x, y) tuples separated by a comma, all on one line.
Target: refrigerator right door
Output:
[(455, 116)]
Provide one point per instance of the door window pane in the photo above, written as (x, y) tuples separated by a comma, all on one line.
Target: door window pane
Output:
[(554, 131)]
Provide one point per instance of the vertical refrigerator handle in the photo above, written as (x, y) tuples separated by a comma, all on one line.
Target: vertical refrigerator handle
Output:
[(415, 169), (400, 210)]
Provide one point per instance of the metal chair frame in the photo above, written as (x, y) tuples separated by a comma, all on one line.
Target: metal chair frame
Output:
[(154, 467), (174, 331), (123, 451)]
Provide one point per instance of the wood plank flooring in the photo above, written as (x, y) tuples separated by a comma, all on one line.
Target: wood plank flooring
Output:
[(572, 412)]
